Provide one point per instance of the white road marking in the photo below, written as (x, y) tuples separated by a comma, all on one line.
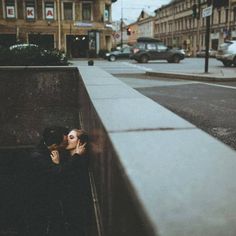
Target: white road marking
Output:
[(218, 85), (137, 67)]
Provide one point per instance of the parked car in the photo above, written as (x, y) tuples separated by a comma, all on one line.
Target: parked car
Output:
[(118, 54), (227, 53), (202, 53), (147, 49)]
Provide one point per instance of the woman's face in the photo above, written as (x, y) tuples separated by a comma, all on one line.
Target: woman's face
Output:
[(72, 140)]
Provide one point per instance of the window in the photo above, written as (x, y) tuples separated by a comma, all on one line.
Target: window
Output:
[(227, 15), (30, 10), (10, 9), (234, 13), (86, 12), (68, 11), (151, 46), (161, 48), (107, 13), (219, 16), (49, 10)]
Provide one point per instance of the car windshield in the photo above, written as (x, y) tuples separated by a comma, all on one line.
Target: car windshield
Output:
[(140, 45), (151, 46), (162, 47), (126, 50)]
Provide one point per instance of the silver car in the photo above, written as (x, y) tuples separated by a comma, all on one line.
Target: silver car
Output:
[(227, 53)]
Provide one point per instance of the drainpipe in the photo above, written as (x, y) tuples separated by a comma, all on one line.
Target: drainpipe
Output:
[(59, 23), (229, 18), (198, 29)]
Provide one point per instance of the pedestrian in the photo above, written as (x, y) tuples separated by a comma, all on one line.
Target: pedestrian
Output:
[(45, 201), (77, 198)]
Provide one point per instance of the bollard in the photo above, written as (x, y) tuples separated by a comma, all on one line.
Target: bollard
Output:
[(90, 62)]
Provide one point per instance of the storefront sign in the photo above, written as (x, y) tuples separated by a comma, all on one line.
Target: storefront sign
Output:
[(30, 13), (83, 24), (10, 11), (207, 11), (49, 13), (106, 15), (109, 25)]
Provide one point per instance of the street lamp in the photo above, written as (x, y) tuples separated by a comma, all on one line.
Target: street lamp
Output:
[(121, 26)]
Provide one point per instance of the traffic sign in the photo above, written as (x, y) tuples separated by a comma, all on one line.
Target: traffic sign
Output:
[(207, 11)]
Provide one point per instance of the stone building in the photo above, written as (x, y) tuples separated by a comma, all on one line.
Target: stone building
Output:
[(75, 26), (145, 25), (142, 27), (178, 25)]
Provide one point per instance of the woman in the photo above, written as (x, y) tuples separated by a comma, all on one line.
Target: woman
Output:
[(77, 195)]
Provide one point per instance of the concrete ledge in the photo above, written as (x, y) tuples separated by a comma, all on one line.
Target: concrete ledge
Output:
[(196, 77), (160, 175)]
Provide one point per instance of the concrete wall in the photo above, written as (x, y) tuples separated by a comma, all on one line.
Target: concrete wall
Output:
[(32, 98), (152, 173)]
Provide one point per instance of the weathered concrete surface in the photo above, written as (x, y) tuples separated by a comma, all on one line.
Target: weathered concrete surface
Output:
[(33, 98), (167, 176), (154, 173)]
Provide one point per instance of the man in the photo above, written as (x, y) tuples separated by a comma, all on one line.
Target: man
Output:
[(45, 208)]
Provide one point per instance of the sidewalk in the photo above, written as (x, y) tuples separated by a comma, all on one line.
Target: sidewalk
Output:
[(188, 69), (195, 76), (215, 73)]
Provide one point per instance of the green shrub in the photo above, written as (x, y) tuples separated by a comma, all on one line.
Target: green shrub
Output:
[(31, 56)]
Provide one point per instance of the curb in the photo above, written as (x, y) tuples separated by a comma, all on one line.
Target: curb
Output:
[(196, 77)]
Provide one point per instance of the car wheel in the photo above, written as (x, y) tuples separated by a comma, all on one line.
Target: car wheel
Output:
[(144, 59), (112, 58), (234, 61), (227, 63), (176, 59)]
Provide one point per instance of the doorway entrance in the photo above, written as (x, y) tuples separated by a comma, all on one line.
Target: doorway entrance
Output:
[(77, 45)]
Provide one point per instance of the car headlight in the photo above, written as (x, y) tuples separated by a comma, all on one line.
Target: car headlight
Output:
[(107, 54)]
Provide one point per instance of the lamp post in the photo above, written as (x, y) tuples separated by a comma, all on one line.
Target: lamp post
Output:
[(121, 26), (59, 24), (207, 37)]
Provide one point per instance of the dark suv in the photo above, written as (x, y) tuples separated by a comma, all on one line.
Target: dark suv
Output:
[(153, 49)]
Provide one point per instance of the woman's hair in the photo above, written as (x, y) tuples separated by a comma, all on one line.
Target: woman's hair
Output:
[(82, 135)]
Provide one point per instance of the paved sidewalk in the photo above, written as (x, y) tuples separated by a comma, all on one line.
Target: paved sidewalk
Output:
[(188, 69), (217, 77), (216, 71)]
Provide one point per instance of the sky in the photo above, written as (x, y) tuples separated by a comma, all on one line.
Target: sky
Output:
[(132, 8)]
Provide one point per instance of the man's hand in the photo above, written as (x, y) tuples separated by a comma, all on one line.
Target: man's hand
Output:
[(55, 157)]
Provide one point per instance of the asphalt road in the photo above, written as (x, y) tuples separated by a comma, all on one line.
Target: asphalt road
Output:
[(209, 106)]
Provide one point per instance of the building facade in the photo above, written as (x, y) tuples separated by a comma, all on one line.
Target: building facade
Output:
[(176, 24), (145, 25), (142, 27), (74, 26)]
